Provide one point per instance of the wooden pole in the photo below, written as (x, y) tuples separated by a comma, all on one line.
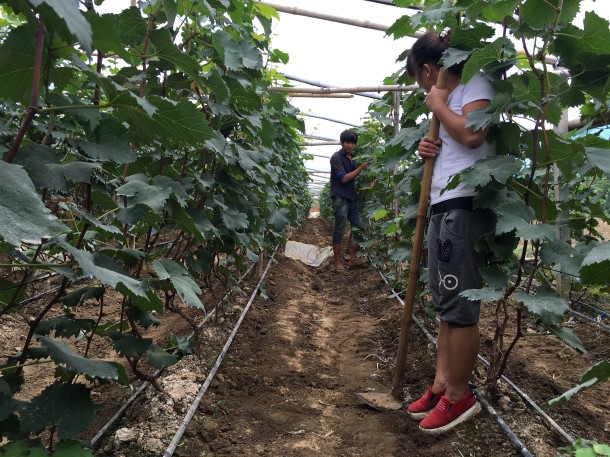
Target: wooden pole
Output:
[(317, 155), (560, 194), (316, 137), (418, 241), (322, 84)]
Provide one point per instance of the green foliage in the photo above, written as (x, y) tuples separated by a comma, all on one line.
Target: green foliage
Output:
[(585, 448), (65, 406), (123, 130), (544, 181), (598, 373), (120, 132), (326, 204)]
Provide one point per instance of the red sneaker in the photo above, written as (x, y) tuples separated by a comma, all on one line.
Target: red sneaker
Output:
[(422, 407), (447, 415)]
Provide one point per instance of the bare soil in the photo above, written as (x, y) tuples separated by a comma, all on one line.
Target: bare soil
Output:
[(311, 342), (290, 380)]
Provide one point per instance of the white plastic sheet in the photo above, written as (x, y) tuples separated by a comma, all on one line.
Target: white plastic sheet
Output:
[(307, 253)]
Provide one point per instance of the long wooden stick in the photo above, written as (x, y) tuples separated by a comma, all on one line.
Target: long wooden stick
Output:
[(418, 241)]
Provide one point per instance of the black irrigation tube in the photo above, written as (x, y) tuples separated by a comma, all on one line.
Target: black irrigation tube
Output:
[(24, 302), (600, 312), (519, 446), (193, 408), (533, 404), (100, 434), (514, 439), (592, 320)]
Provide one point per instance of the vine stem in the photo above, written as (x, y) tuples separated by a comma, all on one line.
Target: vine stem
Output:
[(31, 112), (169, 305), (97, 323), (539, 133), (19, 366), (47, 308)]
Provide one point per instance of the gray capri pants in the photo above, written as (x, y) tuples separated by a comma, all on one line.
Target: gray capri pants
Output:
[(454, 265)]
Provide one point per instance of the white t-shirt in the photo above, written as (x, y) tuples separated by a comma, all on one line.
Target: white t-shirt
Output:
[(453, 156)]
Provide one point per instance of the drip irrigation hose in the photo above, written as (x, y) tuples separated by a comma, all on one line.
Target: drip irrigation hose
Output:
[(516, 442), (100, 434), (22, 303), (601, 312), (533, 404), (191, 412), (595, 321), (519, 446)]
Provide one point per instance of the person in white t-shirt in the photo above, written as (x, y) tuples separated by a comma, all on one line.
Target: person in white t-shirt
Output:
[(455, 225)]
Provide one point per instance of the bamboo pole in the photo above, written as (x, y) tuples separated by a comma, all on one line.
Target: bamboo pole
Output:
[(551, 60), (560, 193), (327, 17), (396, 121), (316, 137), (321, 143), (318, 155), (418, 242), (336, 90), (321, 84), (321, 95), (391, 3)]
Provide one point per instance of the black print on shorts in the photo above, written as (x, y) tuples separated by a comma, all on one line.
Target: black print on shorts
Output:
[(444, 251)]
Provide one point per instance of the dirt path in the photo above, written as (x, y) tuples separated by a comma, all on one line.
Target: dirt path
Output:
[(288, 385), (289, 382)]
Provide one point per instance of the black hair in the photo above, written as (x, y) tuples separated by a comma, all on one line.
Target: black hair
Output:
[(429, 48), (348, 136)]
